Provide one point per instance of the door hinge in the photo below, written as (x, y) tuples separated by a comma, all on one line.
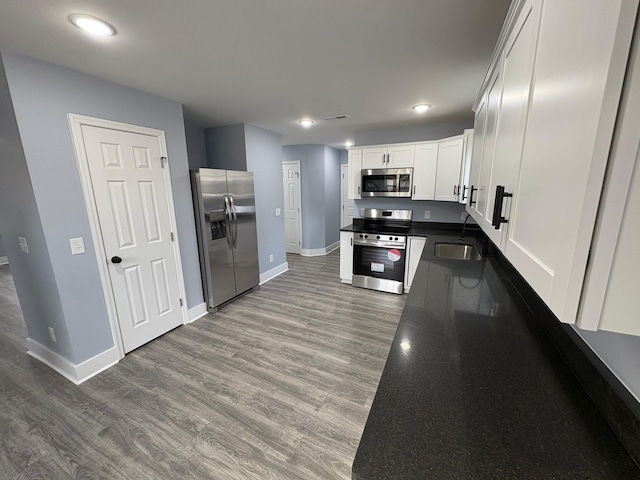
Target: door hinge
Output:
[(162, 160), (173, 238), (181, 303)]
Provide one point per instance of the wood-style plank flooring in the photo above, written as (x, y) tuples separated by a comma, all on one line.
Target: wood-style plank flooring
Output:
[(276, 385)]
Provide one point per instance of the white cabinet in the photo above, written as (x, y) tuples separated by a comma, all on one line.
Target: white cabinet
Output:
[(448, 170), (346, 256), (424, 171), (354, 170), (388, 156), (415, 246), (463, 192), (544, 136)]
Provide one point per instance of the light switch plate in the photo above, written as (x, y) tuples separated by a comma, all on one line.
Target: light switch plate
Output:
[(77, 246), (23, 244), (427, 214), (278, 212)]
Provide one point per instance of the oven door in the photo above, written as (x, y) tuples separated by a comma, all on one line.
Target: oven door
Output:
[(387, 182), (379, 268)]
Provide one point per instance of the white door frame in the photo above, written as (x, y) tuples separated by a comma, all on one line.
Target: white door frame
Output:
[(76, 122), (297, 162), (344, 179)]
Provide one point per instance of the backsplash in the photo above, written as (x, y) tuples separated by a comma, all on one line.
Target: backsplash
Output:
[(449, 212)]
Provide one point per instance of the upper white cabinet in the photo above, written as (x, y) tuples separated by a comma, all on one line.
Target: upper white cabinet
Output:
[(463, 192), (424, 171), (448, 170), (354, 170), (543, 130), (391, 156)]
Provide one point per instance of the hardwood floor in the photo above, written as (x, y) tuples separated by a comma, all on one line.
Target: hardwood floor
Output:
[(276, 385)]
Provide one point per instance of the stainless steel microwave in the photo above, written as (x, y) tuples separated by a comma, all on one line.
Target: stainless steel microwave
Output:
[(387, 182)]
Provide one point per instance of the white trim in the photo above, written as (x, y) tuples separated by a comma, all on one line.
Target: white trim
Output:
[(75, 123), (76, 373), (274, 272), (317, 252), (297, 162), (4, 261), (197, 312)]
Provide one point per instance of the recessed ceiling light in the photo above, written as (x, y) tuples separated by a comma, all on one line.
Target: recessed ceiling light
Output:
[(348, 143), (423, 107), (306, 123), (92, 24)]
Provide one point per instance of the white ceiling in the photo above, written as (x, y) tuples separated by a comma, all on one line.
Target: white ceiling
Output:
[(272, 62)]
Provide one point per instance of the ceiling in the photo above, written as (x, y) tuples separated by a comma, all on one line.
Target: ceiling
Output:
[(271, 63)]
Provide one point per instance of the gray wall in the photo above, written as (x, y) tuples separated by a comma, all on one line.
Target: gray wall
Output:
[(226, 147), (413, 133), (196, 146), (332, 195), (344, 157), (3, 253), (43, 94), (264, 159), (320, 195), (32, 273), (449, 212)]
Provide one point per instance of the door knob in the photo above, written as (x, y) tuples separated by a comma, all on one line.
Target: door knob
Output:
[(116, 260)]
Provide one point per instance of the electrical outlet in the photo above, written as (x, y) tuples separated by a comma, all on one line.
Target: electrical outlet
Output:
[(23, 244), (427, 214), (271, 258), (278, 212), (77, 246), (52, 334)]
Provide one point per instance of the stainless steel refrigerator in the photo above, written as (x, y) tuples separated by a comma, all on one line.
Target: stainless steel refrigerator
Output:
[(227, 235)]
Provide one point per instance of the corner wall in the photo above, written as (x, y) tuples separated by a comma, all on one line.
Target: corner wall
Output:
[(43, 94)]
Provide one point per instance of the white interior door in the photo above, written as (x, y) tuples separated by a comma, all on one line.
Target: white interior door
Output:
[(131, 197), (291, 179), (346, 204)]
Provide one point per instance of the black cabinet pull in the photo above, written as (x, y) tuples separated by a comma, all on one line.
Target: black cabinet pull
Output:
[(464, 192), (472, 202), (497, 207)]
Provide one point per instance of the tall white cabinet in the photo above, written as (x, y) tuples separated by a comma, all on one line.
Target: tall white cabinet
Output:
[(543, 129)]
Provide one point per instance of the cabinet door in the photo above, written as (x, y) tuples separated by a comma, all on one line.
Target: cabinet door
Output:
[(346, 256), (566, 147), (517, 77), (401, 156), (414, 252), (374, 157), (424, 171), (476, 159), (355, 173), (467, 149), (448, 170), (494, 97)]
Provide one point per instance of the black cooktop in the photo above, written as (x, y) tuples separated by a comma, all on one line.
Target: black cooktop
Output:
[(382, 226)]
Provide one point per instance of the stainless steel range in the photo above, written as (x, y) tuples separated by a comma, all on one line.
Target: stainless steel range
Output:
[(379, 249)]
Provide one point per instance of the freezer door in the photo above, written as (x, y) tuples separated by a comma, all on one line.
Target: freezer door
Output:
[(245, 238), (217, 236)]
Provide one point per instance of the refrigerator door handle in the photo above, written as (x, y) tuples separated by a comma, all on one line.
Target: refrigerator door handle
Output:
[(234, 214), (228, 221)]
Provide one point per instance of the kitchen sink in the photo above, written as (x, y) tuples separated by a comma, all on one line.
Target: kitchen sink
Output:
[(457, 251)]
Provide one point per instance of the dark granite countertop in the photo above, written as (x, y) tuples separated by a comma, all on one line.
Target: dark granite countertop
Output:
[(418, 229), (473, 388)]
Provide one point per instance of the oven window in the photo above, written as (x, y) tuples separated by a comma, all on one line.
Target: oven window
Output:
[(387, 263), (380, 183)]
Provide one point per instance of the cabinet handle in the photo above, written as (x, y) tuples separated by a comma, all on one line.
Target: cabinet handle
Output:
[(414, 189), (358, 189), (384, 158), (497, 207), (472, 202), (351, 239), (455, 187), (464, 192)]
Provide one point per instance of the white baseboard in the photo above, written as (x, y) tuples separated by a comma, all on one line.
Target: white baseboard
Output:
[(197, 312), (274, 272), (4, 261), (316, 252), (76, 373)]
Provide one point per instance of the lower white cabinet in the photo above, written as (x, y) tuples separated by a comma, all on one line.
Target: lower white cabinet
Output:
[(415, 246), (346, 256)]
